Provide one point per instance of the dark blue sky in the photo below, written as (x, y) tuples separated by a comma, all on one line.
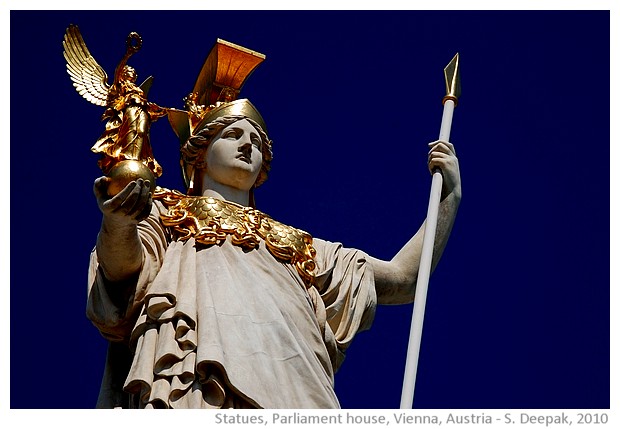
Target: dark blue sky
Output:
[(518, 309)]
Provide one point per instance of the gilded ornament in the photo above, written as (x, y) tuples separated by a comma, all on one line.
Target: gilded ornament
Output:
[(211, 221), (453, 80), (124, 172), (128, 111)]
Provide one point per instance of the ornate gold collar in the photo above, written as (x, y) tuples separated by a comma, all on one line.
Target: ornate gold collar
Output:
[(210, 221)]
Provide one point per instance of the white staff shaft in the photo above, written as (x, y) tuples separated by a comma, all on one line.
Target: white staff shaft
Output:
[(424, 271)]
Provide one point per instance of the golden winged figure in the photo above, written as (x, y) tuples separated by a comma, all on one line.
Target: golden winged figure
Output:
[(129, 114)]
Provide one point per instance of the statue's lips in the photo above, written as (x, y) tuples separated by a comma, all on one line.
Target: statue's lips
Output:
[(244, 158)]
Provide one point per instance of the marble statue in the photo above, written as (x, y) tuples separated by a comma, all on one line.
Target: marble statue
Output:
[(208, 302)]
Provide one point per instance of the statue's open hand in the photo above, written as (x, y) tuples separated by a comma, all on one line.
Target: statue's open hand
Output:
[(442, 155), (129, 206)]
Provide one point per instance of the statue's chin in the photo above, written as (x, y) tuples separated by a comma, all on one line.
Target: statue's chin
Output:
[(127, 171)]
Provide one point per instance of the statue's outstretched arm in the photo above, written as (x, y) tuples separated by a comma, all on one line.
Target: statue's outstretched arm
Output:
[(395, 280), (119, 249)]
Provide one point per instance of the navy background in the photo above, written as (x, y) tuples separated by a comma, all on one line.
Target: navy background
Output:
[(518, 309)]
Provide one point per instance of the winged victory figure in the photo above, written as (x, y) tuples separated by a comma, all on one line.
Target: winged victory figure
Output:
[(129, 113)]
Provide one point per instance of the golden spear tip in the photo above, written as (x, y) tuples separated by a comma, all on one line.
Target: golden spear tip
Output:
[(453, 80)]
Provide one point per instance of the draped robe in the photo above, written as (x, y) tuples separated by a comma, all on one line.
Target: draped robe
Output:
[(221, 326)]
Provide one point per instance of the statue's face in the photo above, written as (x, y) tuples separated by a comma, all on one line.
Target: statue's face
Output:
[(234, 157), (129, 73)]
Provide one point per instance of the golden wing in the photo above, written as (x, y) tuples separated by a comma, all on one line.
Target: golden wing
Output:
[(89, 78)]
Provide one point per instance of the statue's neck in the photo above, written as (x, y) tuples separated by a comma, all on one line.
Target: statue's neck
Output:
[(222, 191)]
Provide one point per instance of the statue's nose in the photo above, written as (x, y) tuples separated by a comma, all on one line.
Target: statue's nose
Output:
[(245, 147)]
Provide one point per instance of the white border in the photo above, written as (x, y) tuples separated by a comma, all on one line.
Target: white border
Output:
[(24, 417)]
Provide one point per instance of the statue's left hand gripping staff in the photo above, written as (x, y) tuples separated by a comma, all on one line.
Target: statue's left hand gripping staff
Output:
[(125, 144)]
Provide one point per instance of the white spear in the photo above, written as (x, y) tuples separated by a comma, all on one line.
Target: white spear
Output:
[(453, 91)]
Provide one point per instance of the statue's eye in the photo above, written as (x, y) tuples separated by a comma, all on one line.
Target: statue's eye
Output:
[(230, 134)]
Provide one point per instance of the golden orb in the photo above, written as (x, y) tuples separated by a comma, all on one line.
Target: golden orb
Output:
[(127, 171)]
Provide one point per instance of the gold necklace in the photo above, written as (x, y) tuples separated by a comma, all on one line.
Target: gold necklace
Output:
[(210, 221)]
